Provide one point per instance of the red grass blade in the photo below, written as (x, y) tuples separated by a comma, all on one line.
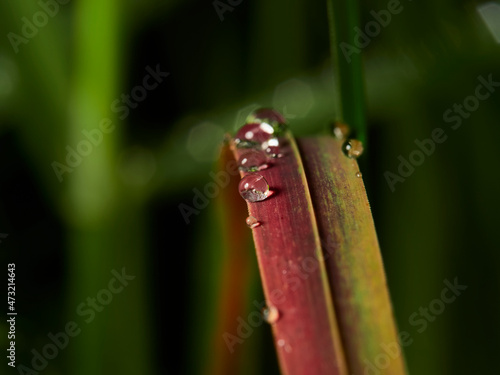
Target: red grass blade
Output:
[(293, 271)]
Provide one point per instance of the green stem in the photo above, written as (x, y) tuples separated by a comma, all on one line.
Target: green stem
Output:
[(106, 220), (343, 16)]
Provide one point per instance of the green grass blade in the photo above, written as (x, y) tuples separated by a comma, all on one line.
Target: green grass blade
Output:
[(343, 16)]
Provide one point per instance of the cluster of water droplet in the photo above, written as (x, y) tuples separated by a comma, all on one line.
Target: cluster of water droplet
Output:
[(352, 148), (262, 131), (261, 136)]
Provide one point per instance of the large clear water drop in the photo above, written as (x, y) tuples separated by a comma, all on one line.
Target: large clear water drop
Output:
[(254, 187), (253, 134)]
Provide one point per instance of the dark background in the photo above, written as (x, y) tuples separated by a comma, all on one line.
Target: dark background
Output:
[(120, 206)]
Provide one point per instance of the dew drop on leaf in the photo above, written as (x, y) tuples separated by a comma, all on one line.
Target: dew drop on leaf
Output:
[(252, 222), (270, 314), (252, 161), (352, 148), (358, 174), (272, 148), (253, 187), (283, 344), (253, 134)]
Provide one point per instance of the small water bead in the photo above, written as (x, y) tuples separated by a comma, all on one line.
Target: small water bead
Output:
[(341, 130), (358, 174), (272, 148), (283, 344), (270, 314), (252, 161), (255, 133), (353, 148), (253, 187), (252, 222)]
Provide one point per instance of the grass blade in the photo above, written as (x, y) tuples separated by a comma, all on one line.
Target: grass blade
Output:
[(343, 17), (234, 276), (352, 256), (293, 272)]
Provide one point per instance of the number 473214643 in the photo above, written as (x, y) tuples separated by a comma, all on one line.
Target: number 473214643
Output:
[(11, 286)]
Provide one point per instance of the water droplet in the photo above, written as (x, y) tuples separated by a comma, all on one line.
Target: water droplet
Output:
[(252, 161), (269, 116), (358, 174), (256, 133), (253, 187), (341, 130), (283, 344), (271, 314), (353, 148), (252, 222), (272, 148)]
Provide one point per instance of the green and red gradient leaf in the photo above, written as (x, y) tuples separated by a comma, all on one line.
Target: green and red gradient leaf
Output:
[(319, 260), (353, 259)]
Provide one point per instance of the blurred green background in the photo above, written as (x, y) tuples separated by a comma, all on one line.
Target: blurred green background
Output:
[(66, 68)]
